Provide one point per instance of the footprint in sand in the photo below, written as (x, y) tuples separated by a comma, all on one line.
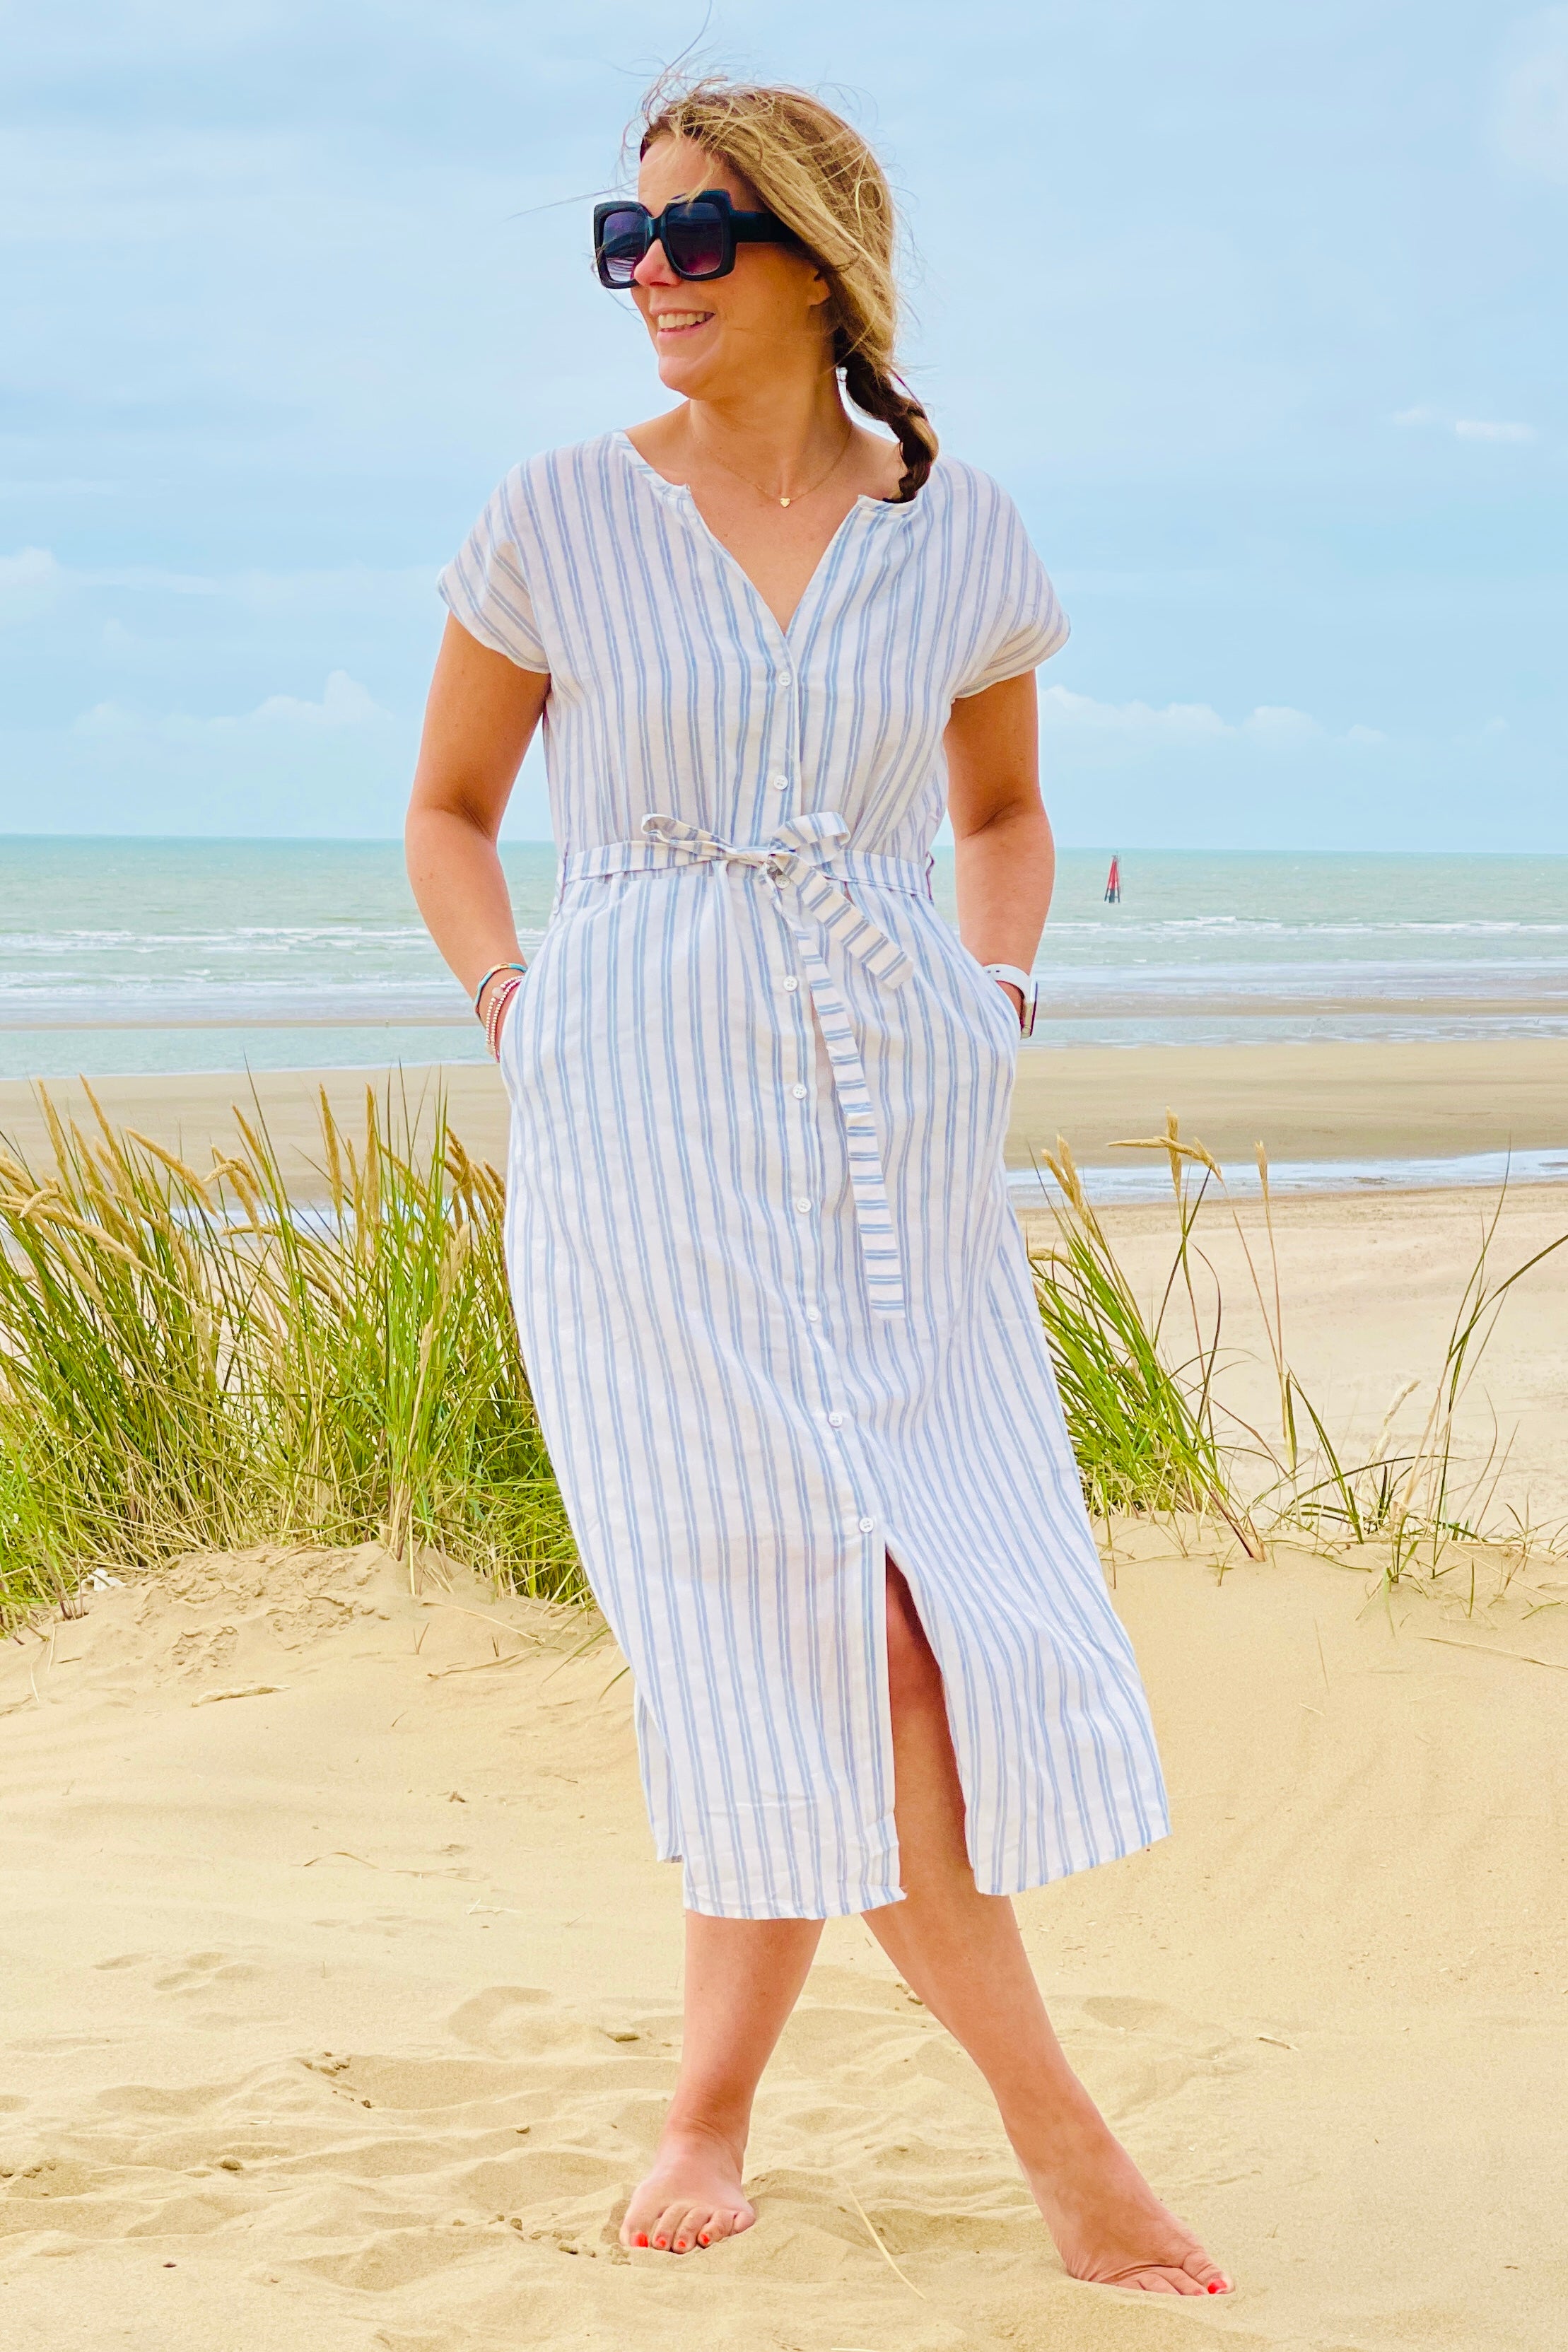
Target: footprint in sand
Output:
[(202, 1972), (205, 1652)]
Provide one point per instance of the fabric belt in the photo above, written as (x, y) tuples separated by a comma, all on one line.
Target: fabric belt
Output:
[(793, 864)]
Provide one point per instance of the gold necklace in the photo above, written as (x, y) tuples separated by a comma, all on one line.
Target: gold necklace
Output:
[(795, 495)]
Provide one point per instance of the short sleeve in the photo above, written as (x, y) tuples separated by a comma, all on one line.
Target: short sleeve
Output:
[(484, 585), (1026, 623)]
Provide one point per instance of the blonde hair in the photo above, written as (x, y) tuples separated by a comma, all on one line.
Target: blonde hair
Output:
[(815, 172)]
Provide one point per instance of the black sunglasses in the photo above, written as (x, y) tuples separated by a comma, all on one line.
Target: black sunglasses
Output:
[(699, 235)]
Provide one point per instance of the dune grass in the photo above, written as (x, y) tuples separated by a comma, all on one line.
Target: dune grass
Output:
[(1141, 1419), (1146, 1410), (192, 1359)]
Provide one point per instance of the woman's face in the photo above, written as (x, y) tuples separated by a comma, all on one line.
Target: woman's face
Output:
[(717, 335)]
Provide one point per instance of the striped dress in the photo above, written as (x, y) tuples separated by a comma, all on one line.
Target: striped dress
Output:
[(772, 1300)]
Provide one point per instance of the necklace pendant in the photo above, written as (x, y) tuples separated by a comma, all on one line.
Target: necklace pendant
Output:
[(783, 502)]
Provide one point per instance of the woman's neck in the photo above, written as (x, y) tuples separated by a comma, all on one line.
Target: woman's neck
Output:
[(779, 436)]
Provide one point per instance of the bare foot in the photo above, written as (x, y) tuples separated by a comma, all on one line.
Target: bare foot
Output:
[(693, 2195), (1110, 2227)]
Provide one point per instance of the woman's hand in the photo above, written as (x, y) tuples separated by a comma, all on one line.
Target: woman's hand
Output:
[(478, 721)]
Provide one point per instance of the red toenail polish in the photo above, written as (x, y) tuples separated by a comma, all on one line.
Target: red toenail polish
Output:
[(642, 2241), (702, 2240), (1213, 2287)]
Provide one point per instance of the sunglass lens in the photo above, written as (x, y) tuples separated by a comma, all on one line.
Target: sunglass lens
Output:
[(694, 240), (622, 241)]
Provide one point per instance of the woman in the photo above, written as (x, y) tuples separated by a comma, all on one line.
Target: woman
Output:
[(772, 1301)]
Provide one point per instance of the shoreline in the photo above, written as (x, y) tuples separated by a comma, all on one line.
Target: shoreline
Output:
[(1332, 1108)]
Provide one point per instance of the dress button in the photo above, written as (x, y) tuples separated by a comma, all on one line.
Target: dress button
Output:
[(835, 1421), (792, 981), (813, 1314), (866, 1525), (779, 783), (799, 1092), (802, 1204)]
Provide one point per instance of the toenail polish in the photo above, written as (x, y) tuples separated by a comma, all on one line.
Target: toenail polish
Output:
[(642, 2240), (704, 2240)]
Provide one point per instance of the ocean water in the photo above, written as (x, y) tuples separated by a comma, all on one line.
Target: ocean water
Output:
[(119, 956)]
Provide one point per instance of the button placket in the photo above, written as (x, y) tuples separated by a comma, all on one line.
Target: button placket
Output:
[(802, 1150)]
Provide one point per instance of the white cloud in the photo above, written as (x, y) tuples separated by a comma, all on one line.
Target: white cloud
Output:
[(1476, 428), (1466, 428), (1530, 116), (1279, 724), (30, 583), (36, 574), (344, 704), (1273, 727)]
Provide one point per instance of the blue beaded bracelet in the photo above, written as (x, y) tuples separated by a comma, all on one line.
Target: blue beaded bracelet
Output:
[(489, 976)]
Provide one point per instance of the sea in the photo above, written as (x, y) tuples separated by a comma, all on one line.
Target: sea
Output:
[(163, 956)]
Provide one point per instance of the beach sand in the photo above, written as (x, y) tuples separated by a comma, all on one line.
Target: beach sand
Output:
[(342, 1993), (342, 2014), (1338, 1101)]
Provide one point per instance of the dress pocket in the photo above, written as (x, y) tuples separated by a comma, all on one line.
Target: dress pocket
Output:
[(997, 1002), (506, 1055)]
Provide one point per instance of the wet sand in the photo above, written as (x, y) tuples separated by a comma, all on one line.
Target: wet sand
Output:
[(1319, 1102)]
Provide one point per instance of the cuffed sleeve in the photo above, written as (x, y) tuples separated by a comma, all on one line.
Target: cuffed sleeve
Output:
[(486, 588), (1027, 624)]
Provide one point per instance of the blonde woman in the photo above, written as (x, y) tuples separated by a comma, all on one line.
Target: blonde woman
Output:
[(772, 1301)]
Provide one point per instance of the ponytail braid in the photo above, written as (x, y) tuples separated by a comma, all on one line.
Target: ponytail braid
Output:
[(880, 392), (815, 172)]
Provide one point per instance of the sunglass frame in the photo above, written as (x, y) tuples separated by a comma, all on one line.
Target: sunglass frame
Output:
[(735, 228)]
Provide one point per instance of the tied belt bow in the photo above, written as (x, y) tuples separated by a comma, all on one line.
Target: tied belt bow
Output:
[(791, 863), (791, 859)]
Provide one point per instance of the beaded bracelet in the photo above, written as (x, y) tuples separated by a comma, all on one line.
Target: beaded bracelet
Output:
[(490, 975), (495, 1012)]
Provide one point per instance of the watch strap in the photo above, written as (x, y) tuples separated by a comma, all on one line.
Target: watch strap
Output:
[(1012, 975)]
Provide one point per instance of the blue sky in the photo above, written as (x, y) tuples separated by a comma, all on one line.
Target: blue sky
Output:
[(1258, 309)]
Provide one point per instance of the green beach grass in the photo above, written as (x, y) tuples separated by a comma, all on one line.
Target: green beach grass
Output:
[(191, 1360), (195, 1360)]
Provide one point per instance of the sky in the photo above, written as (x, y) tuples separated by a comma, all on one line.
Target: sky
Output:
[(1259, 310)]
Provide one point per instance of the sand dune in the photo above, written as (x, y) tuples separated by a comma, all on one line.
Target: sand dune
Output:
[(341, 2013)]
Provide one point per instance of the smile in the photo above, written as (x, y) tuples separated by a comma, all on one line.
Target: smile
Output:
[(680, 322)]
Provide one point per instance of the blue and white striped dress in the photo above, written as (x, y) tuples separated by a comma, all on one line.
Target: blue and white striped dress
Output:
[(774, 1302)]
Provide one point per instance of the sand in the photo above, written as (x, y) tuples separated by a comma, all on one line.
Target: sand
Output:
[(1337, 1101), (342, 1993), (342, 2012)]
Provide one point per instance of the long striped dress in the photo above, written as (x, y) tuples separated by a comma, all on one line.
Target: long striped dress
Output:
[(772, 1300)]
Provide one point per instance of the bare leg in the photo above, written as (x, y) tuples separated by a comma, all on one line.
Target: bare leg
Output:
[(960, 1953), (743, 1978)]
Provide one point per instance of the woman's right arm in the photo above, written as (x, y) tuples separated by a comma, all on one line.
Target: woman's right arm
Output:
[(478, 722)]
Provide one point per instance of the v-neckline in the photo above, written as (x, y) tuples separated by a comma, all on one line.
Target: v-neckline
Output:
[(784, 631)]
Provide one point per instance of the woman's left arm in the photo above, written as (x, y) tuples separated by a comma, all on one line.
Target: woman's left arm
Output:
[(1006, 860)]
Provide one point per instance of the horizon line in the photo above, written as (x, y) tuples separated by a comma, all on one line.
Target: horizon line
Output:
[(1068, 848)]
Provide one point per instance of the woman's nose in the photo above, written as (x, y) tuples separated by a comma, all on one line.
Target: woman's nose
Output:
[(654, 268)]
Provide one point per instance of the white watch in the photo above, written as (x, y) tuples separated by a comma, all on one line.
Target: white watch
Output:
[(1028, 988)]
